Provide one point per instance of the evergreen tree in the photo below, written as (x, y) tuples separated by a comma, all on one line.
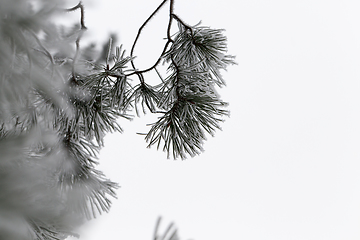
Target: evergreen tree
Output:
[(58, 100)]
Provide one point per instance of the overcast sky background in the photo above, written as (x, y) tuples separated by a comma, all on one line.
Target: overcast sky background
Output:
[(286, 165)]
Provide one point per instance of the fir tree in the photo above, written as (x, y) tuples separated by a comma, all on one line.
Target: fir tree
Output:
[(58, 100)]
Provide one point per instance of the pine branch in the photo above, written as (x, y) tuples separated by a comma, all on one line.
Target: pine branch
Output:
[(195, 57), (52, 126)]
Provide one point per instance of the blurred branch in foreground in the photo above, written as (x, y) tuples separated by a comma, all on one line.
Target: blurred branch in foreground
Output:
[(169, 234)]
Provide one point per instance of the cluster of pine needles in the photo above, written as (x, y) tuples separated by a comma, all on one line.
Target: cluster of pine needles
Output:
[(58, 101)]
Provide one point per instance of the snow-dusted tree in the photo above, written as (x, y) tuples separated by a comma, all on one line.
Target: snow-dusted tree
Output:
[(58, 100)]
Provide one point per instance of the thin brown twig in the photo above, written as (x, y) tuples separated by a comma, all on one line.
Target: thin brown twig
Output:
[(82, 10), (138, 36), (141, 28), (82, 29), (169, 39), (156, 63), (139, 73)]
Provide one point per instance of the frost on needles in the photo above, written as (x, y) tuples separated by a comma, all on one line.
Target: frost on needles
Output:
[(188, 96), (59, 99)]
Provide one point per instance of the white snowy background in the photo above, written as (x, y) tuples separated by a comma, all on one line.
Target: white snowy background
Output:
[(286, 165)]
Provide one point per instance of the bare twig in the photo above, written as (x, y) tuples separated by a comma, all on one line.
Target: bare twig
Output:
[(169, 39), (156, 63), (82, 10), (141, 28), (139, 73), (82, 29)]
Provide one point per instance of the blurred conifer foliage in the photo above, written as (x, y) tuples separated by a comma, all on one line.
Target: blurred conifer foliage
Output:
[(58, 100)]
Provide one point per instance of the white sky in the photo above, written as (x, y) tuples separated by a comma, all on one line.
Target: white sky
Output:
[(286, 165)]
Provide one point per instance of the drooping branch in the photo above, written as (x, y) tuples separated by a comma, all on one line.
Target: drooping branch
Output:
[(141, 28), (155, 64), (168, 34)]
